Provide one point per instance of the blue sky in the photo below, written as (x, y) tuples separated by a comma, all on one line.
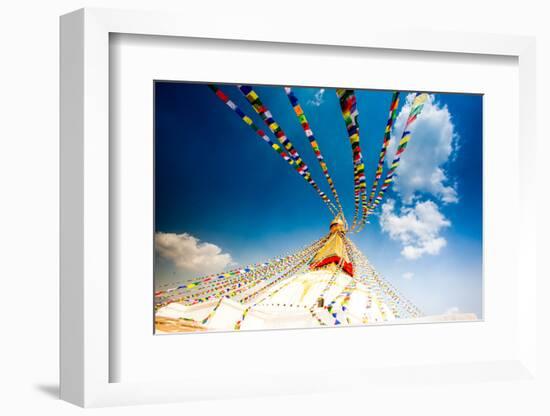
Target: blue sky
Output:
[(224, 197)]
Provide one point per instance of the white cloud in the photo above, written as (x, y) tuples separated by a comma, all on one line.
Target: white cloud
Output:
[(408, 275), (452, 310), (417, 228), (433, 143), (190, 254), (317, 99)]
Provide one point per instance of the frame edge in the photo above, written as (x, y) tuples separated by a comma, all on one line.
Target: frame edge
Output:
[(71, 202)]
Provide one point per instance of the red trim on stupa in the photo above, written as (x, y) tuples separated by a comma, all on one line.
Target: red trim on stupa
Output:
[(346, 266)]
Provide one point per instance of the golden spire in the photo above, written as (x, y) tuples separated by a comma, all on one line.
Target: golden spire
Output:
[(333, 253), (337, 224)]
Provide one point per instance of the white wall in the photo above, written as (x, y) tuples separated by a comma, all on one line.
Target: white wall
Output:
[(29, 203)]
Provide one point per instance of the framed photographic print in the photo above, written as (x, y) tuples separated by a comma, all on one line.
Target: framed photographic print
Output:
[(268, 212)]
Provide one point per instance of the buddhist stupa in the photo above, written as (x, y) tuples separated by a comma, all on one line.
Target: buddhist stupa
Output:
[(327, 283)]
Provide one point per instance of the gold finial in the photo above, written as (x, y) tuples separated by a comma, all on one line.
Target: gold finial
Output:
[(338, 224)]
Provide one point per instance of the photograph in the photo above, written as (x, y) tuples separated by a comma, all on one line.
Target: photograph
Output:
[(291, 207)]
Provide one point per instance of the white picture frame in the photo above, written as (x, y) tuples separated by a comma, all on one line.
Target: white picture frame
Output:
[(85, 213)]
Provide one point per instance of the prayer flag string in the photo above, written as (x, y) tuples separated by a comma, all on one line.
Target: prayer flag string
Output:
[(267, 117), (234, 283), (386, 141), (313, 142), (298, 166), (261, 109), (348, 105), (416, 108)]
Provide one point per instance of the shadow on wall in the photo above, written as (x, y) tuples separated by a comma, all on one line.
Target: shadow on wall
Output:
[(51, 390)]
